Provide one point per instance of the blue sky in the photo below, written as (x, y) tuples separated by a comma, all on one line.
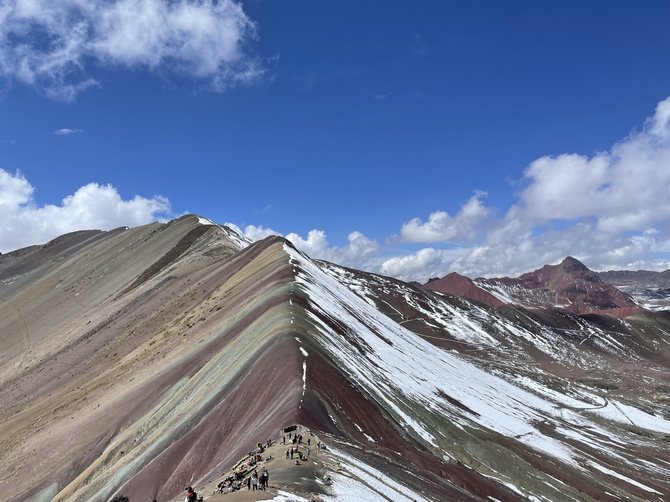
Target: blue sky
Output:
[(341, 117)]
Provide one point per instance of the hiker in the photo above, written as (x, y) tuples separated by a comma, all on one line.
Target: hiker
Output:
[(249, 483), (309, 441), (284, 439), (191, 496), (291, 453), (267, 477), (254, 481), (287, 453)]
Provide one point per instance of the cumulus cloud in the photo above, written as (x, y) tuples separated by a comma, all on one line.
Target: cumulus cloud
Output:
[(253, 232), (67, 132), (422, 265), (356, 253), (92, 206), (359, 252), (55, 45), (441, 227), (611, 210)]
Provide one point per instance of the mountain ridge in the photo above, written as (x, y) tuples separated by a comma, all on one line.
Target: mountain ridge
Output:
[(171, 382)]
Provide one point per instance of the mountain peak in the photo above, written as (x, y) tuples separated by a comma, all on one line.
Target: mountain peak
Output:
[(570, 263)]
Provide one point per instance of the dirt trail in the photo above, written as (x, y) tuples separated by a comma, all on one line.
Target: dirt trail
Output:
[(305, 478)]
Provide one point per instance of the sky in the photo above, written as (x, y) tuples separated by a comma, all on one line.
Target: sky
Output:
[(406, 138)]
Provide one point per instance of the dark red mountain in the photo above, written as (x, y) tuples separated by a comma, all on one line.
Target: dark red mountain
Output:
[(459, 285), (569, 286)]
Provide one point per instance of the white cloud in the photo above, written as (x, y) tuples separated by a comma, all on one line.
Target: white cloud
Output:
[(359, 252), (611, 210), (422, 265), (441, 227), (67, 132), (92, 206), (54, 45), (253, 232), (356, 253)]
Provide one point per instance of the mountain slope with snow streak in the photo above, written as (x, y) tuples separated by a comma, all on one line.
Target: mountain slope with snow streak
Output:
[(161, 355), (568, 419)]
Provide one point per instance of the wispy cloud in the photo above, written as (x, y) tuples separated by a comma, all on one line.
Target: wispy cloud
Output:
[(306, 81), (383, 95), (67, 132), (55, 45)]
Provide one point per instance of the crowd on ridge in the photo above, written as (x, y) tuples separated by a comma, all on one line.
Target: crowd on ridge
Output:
[(247, 471)]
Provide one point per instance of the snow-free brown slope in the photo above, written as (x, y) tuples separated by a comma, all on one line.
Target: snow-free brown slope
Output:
[(459, 285)]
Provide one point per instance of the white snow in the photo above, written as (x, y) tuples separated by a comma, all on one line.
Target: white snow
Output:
[(397, 373), (358, 481), (628, 415), (283, 496), (204, 221), (304, 377), (418, 383), (622, 477), (303, 351)]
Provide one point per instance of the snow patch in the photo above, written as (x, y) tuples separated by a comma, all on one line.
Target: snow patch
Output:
[(622, 477), (358, 481), (204, 221)]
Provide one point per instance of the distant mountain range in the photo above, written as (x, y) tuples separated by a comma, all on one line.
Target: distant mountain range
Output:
[(141, 361), (649, 289), (569, 286)]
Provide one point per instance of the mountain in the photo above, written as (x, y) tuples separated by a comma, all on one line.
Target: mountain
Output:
[(649, 289), (459, 285), (140, 361), (569, 286)]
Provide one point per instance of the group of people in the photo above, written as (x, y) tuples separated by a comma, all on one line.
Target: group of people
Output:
[(295, 439), (248, 468), (293, 452), (258, 481)]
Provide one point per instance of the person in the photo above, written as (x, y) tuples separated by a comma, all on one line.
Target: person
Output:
[(191, 496), (254, 481), (309, 441), (287, 453), (249, 482)]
